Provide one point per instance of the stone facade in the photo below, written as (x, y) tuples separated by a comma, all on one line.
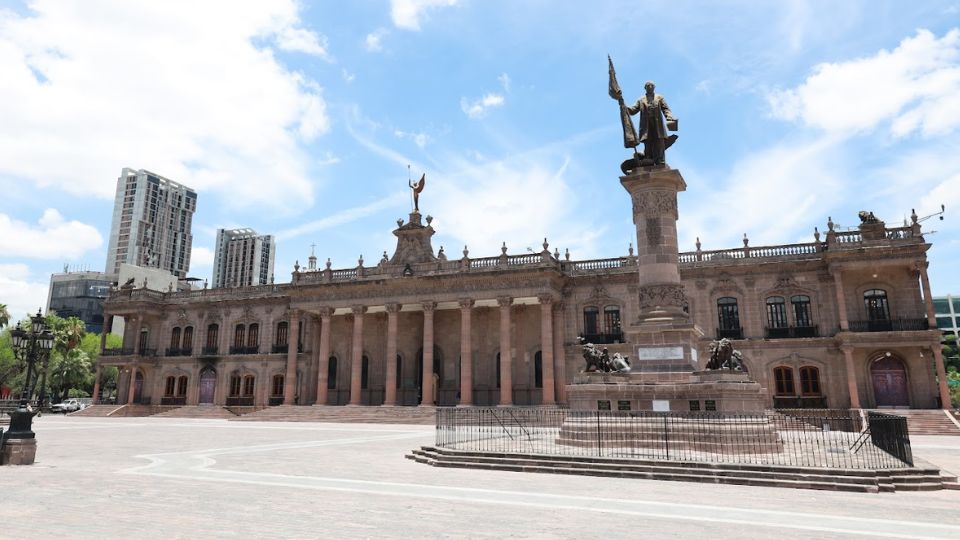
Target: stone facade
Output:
[(843, 321)]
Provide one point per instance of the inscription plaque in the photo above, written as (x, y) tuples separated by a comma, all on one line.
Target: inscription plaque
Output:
[(660, 353)]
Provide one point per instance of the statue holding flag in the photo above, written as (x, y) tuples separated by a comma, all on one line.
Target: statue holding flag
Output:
[(652, 130)]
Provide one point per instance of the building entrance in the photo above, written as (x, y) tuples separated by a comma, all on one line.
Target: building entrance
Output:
[(890, 382), (208, 383)]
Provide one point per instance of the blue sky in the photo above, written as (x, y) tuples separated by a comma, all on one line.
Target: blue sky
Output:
[(299, 119)]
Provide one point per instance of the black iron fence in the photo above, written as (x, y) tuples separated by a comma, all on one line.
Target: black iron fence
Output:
[(889, 325), (802, 438)]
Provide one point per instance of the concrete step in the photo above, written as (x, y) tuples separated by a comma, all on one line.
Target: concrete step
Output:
[(345, 414), (198, 411), (96, 410), (873, 481), (926, 421)]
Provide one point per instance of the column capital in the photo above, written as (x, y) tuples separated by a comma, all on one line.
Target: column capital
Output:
[(293, 314), (358, 310), (393, 308), (921, 265), (466, 303), (546, 298), (847, 349), (429, 306), (325, 312), (505, 301)]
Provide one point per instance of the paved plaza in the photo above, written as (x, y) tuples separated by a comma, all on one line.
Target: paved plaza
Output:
[(176, 478)]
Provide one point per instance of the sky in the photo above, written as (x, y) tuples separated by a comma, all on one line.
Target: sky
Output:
[(300, 119)]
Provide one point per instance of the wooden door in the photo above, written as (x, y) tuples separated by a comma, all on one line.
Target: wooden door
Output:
[(208, 383), (890, 383)]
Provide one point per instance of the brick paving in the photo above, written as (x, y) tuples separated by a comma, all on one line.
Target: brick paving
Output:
[(177, 478)]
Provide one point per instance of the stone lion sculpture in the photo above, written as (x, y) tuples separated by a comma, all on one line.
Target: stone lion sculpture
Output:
[(599, 360), (724, 356)]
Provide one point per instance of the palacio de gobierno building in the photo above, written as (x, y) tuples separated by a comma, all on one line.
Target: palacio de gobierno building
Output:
[(845, 320)]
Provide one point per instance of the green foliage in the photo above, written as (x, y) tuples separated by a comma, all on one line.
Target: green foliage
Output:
[(951, 353), (70, 370), (8, 362)]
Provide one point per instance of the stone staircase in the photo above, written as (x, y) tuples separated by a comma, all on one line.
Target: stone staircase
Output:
[(96, 410), (927, 421), (923, 478), (198, 411), (345, 414)]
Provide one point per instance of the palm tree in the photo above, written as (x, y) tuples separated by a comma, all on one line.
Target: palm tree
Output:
[(73, 331), (4, 315)]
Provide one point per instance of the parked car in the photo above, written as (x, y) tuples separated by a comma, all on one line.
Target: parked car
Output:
[(69, 405)]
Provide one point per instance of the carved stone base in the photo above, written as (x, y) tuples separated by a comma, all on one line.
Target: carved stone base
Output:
[(18, 452)]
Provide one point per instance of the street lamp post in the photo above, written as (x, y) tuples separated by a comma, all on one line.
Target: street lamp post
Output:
[(33, 347)]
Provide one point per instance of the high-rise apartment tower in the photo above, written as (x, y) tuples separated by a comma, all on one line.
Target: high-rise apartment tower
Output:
[(243, 258)]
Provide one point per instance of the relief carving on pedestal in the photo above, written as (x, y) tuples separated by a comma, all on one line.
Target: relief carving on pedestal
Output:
[(661, 295), (655, 203)]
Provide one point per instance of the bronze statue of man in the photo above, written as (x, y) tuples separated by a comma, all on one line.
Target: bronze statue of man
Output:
[(651, 129)]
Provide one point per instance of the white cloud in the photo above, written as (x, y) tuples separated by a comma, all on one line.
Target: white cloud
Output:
[(21, 295), (375, 39), (55, 238), (406, 14), (504, 82), (191, 90), (478, 108), (302, 40), (344, 216), (420, 139), (347, 76), (915, 87)]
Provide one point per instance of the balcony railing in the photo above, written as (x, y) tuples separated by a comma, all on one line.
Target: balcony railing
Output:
[(799, 402), (890, 325), (279, 349), (179, 352), (144, 351), (730, 333), (173, 400), (245, 350), (596, 339), (791, 332), (118, 352), (207, 351), (240, 401)]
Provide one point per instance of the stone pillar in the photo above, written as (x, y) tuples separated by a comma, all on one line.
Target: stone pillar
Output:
[(324, 365), (96, 382), (927, 295), (841, 299), (137, 323), (851, 377), (132, 385), (107, 324), (356, 356), (506, 360), (466, 351), (390, 392), (427, 373), (546, 347), (941, 376), (665, 336), (290, 379), (559, 354)]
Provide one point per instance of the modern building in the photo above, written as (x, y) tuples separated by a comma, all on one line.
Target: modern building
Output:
[(947, 310), (243, 258), (845, 320), (79, 294), (152, 223)]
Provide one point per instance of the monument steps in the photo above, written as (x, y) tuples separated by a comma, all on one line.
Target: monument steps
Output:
[(197, 411), (857, 480), (344, 414)]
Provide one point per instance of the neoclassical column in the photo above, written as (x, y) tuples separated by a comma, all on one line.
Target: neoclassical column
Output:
[(290, 379), (927, 295), (546, 347), (426, 386), (356, 355), (841, 299), (324, 365), (132, 386), (506, 360), (559, 354), (96, 383), (390, 392), (107, 325), (851, 377), (466, 351)]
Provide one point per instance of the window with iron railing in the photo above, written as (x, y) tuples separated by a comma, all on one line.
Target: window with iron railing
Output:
[(169, 386), (238, 333), (875, 302), (776, 312), (253, 336), (213, 337), (728, 314), (248, 385), (175, 338), (801, 311), (235, 382), (809, 381), (282, 330), (277, 387)]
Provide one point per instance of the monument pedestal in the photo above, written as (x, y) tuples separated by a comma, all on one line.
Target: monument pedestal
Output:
[(18, 452)]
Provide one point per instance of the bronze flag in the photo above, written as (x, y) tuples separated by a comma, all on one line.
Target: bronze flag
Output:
[(629, 134)]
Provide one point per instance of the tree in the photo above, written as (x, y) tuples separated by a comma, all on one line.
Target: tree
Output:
[(71, 371), (951, 353), (4, 315)]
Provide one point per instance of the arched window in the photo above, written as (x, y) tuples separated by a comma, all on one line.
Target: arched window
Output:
[(248, 385), (728, 314), (213, 338), (591, 326), (187, 339), (283, 328), (611, 323), (801, 311), (238, 332), (332, 373), (875, 300), (783, 377), (169, 386), (253, 336), (364, 372), (182, 386), (809, 381), (234, 386), (175, 338), (538, 370), (277, 388), (776, 312)]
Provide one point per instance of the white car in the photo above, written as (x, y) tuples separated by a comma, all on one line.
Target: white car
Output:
[(69, 405)]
